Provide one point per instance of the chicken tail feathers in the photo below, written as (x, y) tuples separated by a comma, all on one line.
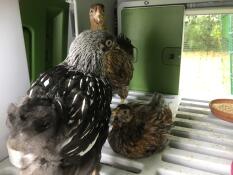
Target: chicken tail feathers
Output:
[(157, 100)]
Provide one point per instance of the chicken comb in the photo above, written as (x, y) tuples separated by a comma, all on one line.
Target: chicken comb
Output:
[(125, 44)]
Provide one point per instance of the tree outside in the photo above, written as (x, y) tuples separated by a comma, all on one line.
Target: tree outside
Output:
[(205, 33), (206, 64)]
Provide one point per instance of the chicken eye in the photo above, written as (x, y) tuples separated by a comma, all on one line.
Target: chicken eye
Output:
[(102, 47), (23, 117), (108, 43), (41, 125), (91, 11)]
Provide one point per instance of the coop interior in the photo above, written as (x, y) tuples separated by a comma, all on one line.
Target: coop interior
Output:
[(183, 49)]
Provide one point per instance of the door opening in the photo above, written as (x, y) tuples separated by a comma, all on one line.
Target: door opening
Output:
[(207, 54)]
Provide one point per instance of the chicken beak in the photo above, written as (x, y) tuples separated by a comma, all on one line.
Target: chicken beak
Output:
[(122, 101)]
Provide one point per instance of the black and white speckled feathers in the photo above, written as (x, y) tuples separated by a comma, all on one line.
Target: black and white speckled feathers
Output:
[(62, 123), (64, 117)]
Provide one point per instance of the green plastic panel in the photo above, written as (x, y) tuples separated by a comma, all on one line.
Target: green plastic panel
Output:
[(156, 32), (227, 22), (45, 27)]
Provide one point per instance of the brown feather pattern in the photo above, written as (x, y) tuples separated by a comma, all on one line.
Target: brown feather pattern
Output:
[(118, 68), (139, 129)]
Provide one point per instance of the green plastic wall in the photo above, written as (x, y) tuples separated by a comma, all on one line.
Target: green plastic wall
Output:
[(45, 27), (156, 32), (227, 22)]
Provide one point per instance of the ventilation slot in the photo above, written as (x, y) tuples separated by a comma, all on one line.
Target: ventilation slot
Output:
[(194, 110), (201, 147), (187, 104), (203, 118), (203, 126), (202, 135), (195, 100)]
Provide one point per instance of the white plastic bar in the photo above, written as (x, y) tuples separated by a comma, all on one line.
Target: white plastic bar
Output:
[(205, 126), (174, 169), (202, 135), (195, 100), (198, 161), (194, 110), (202, 117), (201, 147)]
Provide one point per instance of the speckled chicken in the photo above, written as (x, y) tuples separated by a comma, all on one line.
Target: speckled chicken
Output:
[(138, 130), (120, 71), (61, 124)]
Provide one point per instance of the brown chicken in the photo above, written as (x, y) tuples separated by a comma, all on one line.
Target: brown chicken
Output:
[(96, 14), (138, 130), (118, 69)]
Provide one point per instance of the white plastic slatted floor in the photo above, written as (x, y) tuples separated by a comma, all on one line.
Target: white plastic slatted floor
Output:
[(199, 144)]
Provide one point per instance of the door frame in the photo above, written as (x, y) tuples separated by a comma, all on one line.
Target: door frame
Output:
[(131, 4)]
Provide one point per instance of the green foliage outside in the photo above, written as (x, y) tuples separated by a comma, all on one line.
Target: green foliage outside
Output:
[(205, 33), (208, 48)]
